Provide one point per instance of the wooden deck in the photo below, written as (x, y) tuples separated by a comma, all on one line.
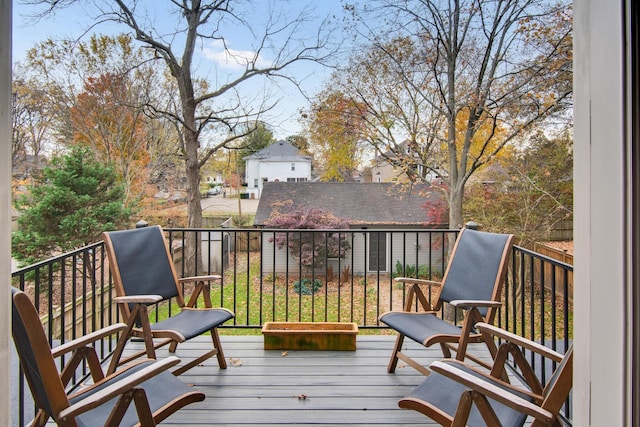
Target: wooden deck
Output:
[(320, 388)]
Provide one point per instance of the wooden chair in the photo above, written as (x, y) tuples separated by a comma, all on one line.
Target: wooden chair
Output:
[(472, 282), (155, 392), (456, 394), (144, 274)]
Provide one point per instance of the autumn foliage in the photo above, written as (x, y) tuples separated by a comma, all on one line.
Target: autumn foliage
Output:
[(105, 119), (335, 125), (311, 249)]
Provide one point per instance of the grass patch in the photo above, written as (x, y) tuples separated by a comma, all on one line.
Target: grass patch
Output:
[(257, 298)]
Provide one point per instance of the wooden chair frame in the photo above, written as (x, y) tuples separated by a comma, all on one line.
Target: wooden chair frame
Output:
[(456, 339), (129, 384), (483, 390), (135, 313)]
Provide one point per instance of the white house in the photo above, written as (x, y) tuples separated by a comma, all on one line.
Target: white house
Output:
[(279, 162)]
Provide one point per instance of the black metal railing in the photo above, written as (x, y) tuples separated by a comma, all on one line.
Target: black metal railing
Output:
[(297, 275)]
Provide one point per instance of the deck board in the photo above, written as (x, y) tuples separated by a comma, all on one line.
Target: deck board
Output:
[(266, 387)]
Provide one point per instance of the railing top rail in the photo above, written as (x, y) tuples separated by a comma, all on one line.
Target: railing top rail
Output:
[(55, 259), (317, 230), (544, 258)]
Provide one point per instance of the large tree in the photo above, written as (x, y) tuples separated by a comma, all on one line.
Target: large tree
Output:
[(451, 83), (215, 106)]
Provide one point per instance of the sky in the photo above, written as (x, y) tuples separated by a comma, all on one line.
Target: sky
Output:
[(214, 62)]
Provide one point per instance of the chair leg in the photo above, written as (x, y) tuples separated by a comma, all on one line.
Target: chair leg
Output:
[(215, 338), (40, 419), (120, 408), (393, 363), (446, 351), (146, 330), (464, 409), (142, 408), (140, 313)]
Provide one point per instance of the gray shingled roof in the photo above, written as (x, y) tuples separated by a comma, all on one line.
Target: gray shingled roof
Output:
[(380, 204), (281, 150)]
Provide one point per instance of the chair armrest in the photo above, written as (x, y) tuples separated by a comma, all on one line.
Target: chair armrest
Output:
[(84, 340), (417, 281), (486, 328), (138, 299), (489, 389), (207, 278), (119, 387), (474, 303)]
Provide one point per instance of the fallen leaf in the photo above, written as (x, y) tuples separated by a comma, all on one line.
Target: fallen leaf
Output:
[(235, 362)]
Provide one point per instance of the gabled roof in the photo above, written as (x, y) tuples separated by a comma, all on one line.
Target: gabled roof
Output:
[(362, 204), (279, 151)]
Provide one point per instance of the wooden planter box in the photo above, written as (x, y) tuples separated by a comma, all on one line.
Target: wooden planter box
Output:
[(309, 336)]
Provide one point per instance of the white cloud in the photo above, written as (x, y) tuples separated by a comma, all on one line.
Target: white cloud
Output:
[(231, 58)]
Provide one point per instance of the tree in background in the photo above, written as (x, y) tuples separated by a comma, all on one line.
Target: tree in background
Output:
[(98, 90), (300, 142), (461, 80), (212, 106), (258, 137), (32, 121), (335, 126), (68, 207), (398, 124), (310, 249), (529, 193), (216, 106), (105, 118)]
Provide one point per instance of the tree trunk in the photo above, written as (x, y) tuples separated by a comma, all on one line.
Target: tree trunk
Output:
[(194, 207), (456, 193)]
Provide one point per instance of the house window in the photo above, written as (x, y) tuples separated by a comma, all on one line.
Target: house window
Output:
[(377, 251), (293, 166), (255, 182)]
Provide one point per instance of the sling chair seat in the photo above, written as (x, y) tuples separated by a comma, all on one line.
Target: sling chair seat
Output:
[(421, 327), (161, 390), (190, 323)]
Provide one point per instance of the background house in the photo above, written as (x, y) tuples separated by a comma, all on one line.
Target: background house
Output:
[(366, 207), (384, 166), (279, 162)]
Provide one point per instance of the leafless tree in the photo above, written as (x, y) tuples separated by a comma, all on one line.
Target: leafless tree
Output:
[(215, 106), (463, 79)]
